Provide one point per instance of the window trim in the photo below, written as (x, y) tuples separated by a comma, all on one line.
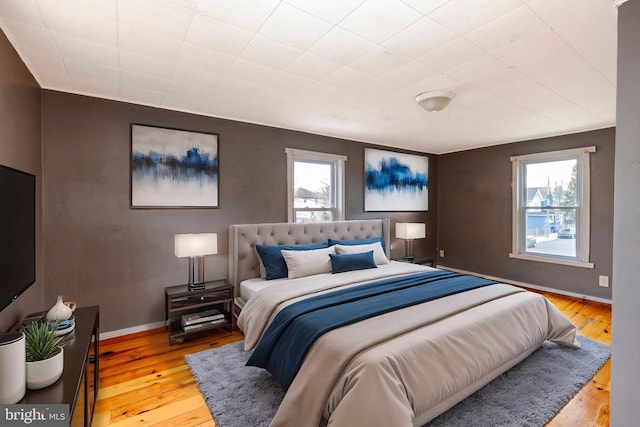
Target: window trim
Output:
[(338, 160), (583, 238)]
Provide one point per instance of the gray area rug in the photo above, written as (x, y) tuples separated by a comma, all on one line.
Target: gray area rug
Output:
[(529, 394)]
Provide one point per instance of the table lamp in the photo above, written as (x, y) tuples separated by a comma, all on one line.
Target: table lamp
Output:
[(410, 231), (196, 246)]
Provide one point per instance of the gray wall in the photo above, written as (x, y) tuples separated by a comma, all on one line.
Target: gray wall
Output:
[(474, 212), (625, 375), (99, 251), (20, 149)]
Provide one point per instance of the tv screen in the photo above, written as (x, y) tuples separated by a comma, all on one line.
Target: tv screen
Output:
[(17, 233)]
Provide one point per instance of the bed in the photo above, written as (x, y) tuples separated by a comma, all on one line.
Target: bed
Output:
[(402, 367)]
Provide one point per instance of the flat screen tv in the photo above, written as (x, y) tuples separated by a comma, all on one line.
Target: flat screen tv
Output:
[(17, 233)]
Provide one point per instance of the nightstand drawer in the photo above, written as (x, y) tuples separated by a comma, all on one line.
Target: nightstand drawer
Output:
[(200, 298)]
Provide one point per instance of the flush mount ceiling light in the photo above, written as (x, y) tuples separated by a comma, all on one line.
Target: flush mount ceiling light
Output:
[(434, 100)]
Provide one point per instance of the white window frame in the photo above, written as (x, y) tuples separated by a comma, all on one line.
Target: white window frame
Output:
[(336, 160), (583, 215)]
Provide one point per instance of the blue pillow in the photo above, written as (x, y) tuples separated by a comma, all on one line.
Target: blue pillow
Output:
[(358, 242), (351, 262), (274, 265)]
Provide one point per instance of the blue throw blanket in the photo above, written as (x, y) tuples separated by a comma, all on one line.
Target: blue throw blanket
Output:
[(284, 345)]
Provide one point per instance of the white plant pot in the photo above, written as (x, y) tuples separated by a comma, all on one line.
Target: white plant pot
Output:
[(43, 373), (12, 367)]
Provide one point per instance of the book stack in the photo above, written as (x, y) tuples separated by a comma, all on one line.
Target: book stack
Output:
[(201, 319)]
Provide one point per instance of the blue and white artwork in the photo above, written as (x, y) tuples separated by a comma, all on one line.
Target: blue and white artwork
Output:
[(395, 181), (173, 168)]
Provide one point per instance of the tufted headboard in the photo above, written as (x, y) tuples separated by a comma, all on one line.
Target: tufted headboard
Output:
[(243, 259)]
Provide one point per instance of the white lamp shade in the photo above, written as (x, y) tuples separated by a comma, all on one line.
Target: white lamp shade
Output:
[(195, 245), (410, 230)]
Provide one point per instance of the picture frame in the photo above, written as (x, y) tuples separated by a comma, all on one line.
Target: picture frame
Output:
[(173, 168), (395, 181)]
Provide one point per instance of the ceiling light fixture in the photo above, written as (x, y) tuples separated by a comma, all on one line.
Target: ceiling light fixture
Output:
[(434, 100)]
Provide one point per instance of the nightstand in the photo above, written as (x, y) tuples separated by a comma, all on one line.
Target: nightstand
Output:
[(179, 300)]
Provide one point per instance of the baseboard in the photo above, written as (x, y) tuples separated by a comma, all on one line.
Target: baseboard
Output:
[(132, 330), (529, 285)]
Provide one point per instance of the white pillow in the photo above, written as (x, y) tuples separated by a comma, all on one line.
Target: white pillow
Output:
[(309, 262), (378, 253)]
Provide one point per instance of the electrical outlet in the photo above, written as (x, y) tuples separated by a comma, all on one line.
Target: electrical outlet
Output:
[(441, 253), (603, 281)]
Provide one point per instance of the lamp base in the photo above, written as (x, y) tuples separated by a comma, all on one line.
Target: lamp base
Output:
[(192, 284), (195, 286), (408, 249)]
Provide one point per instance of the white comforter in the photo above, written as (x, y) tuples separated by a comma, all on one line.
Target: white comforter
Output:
[(405, 367)]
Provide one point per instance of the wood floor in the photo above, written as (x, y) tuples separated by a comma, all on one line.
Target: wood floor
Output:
[(146, 382)]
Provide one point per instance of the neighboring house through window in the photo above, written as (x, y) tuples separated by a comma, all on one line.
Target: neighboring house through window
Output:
[(315, 186), (551, 199)]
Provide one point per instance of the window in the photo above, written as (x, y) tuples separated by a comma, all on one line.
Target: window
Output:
[(315, 186), (551, 217)]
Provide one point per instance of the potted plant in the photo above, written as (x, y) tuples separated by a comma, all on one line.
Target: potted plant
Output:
[(44, 354)]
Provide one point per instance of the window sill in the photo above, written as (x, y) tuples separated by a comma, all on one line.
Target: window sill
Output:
[(562, 261)]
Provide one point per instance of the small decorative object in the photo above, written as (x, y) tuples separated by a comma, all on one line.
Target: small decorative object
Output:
[(173, 168), (395, 181), (66, 326), (61, 310), (44, 354), (195, 246), (410, 231)]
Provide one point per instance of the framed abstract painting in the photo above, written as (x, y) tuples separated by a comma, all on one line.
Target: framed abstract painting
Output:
[(172, 168), (395, 181)]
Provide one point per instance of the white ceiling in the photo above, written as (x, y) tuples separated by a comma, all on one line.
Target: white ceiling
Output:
[(521, 69)]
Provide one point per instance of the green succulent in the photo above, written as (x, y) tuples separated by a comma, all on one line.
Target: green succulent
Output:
[(41, 342)]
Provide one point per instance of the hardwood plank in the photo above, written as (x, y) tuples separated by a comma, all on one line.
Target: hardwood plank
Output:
[(163, 413), (101, 418), (145, 381), (587, 408), (148, 357), (110, 402), (198, 417), (602, 378), (137, 405), (141, 383)]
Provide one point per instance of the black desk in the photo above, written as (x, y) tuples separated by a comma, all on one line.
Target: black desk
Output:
[(78, 385)]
